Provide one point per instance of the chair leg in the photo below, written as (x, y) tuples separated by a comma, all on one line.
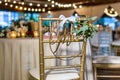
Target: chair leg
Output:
[(95, 73)]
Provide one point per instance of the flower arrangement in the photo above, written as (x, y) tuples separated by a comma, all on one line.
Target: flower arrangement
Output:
[(88, 29), (6, 33)]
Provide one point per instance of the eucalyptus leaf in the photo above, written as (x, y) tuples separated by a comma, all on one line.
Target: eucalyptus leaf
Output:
[(88, 29)]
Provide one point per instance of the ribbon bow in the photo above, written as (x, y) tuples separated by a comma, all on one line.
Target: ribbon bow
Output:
[(65, 20)]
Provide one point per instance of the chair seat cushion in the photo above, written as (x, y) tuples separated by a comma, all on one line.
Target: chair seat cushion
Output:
[(61, 74)]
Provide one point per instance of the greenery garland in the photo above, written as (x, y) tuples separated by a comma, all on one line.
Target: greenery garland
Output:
[(88, 29)]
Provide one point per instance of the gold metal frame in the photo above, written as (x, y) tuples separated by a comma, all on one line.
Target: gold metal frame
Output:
[(42, 57)]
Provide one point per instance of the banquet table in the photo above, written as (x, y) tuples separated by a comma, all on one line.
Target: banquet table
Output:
[(18, 56)]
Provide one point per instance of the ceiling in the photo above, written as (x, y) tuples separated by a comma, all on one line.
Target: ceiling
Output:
[(51, 6)]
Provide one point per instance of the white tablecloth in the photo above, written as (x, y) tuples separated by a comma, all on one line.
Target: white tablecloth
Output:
[(18, 56)]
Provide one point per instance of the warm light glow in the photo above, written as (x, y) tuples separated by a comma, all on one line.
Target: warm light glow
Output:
[(22, 3), (46, 5), (13, 34), (53, 5), (56, 3), (39, 10), (11, 5), (6, 4), (49, 12), (43, 10), (80, 6), (0, 2), (30, 4), (70, 5), (23, 34), (21, 8), (25, 8), (38, 5), (29, 9), (75, 7), (52, 2), (112, 9), (16, 7), (49, 0), (36, 10), (35, 33), (14, 2), (33, 9)]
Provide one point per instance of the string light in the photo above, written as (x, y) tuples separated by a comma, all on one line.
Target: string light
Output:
[(30, 4), (32, 9), (38, 5), (11, 5), (49, 12), (6, 4), (36, 10), (29, 9), (80, 6), (43, 10), (14, 2), (46, 5), (22, 3), (25, 8), (21, 7), (56, 3), (0, 2), (16, 7), (39, 10), (53, 3)]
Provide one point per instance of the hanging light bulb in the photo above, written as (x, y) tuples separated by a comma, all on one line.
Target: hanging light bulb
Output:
[(49, 12), (16, 7), (38, 5), (33, 9), (6, 4), (29, 9), (21, 7), (52, 2), (80, 6), (30, 4), (11, 5), (14, 2), (43, 10), (22, 3), (25, 8), (46, 5), (39, 10), (75, 7), (36, 10), (53, 5), (56, 3)]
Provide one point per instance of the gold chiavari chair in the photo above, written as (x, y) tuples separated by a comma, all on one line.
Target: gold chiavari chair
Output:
[(65, 36)]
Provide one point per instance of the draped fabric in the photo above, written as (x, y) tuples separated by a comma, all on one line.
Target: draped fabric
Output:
[(18, 56)]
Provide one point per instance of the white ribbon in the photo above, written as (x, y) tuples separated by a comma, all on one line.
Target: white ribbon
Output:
[(64, 20)]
